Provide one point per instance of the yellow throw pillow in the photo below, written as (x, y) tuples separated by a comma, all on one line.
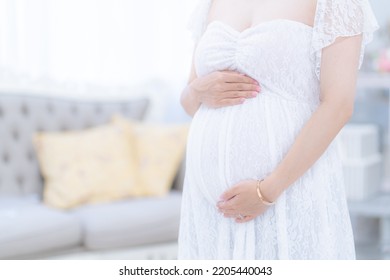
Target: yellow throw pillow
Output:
[(89, 166), (159, 148)]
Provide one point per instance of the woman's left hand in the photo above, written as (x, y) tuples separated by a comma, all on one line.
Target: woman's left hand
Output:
[(241, 202)]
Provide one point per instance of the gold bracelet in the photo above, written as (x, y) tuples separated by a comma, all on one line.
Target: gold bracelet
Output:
[(261, 196)]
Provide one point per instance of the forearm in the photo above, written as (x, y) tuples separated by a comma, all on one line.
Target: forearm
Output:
[(310, 144), (189, 101)]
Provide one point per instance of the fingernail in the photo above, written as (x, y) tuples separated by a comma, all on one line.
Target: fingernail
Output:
[(258, 88), (254, 94), (242, 100)]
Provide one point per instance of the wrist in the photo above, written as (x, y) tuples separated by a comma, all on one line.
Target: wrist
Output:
[(193, 93), (190, 100), (271, 189), (264, 200)]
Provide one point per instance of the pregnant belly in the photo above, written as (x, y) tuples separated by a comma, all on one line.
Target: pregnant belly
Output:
[(247, 141)]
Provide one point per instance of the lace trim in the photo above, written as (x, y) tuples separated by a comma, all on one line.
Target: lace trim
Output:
[(341, 18)]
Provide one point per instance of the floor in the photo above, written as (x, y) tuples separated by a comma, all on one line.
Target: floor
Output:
[(371, 252), (366, 235), (168, 252)]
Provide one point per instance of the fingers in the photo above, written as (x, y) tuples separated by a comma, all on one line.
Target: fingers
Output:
[(240, 90), (228, 194), (237, 87), (245, 219), (229, 213), (238, 94), (235, 77), (238, 219), (230, 102), (234, 98), (222, 102), (228, 207), (229, 88)]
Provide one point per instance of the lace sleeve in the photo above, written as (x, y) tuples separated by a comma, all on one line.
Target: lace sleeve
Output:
[(198, 19), (341, 18)]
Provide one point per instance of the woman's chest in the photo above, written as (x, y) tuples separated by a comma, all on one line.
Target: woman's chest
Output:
[(272, 48), (241, 14)]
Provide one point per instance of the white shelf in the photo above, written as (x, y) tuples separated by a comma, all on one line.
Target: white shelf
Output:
[(378, 206), (374, 80)]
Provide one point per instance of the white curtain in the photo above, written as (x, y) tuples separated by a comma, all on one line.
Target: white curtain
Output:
[(80, 43)]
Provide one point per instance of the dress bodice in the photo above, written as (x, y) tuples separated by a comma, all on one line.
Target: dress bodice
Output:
[(275, 53)]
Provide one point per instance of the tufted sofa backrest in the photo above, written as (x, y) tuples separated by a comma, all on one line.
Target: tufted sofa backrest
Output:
[(22, 114)]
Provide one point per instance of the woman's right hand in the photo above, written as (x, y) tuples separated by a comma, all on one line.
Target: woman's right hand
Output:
[(224, 88)]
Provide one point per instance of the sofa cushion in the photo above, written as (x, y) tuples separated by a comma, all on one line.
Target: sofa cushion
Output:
[(159, 150), (28, 227), (131, 222), (87, 166)]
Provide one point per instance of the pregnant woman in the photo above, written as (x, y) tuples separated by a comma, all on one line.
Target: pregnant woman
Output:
[(272, 84)]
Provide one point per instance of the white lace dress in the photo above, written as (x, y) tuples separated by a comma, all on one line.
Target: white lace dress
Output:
[(226, 145)]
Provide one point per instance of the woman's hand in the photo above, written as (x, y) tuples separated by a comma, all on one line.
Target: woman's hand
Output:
[(241, 202), (224, 88), (217, 89)]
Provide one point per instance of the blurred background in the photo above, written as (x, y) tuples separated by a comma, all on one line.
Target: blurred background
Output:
[(70, 65), (97, 48)]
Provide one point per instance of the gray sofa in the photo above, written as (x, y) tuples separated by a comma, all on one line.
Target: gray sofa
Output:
[(29, 229)]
